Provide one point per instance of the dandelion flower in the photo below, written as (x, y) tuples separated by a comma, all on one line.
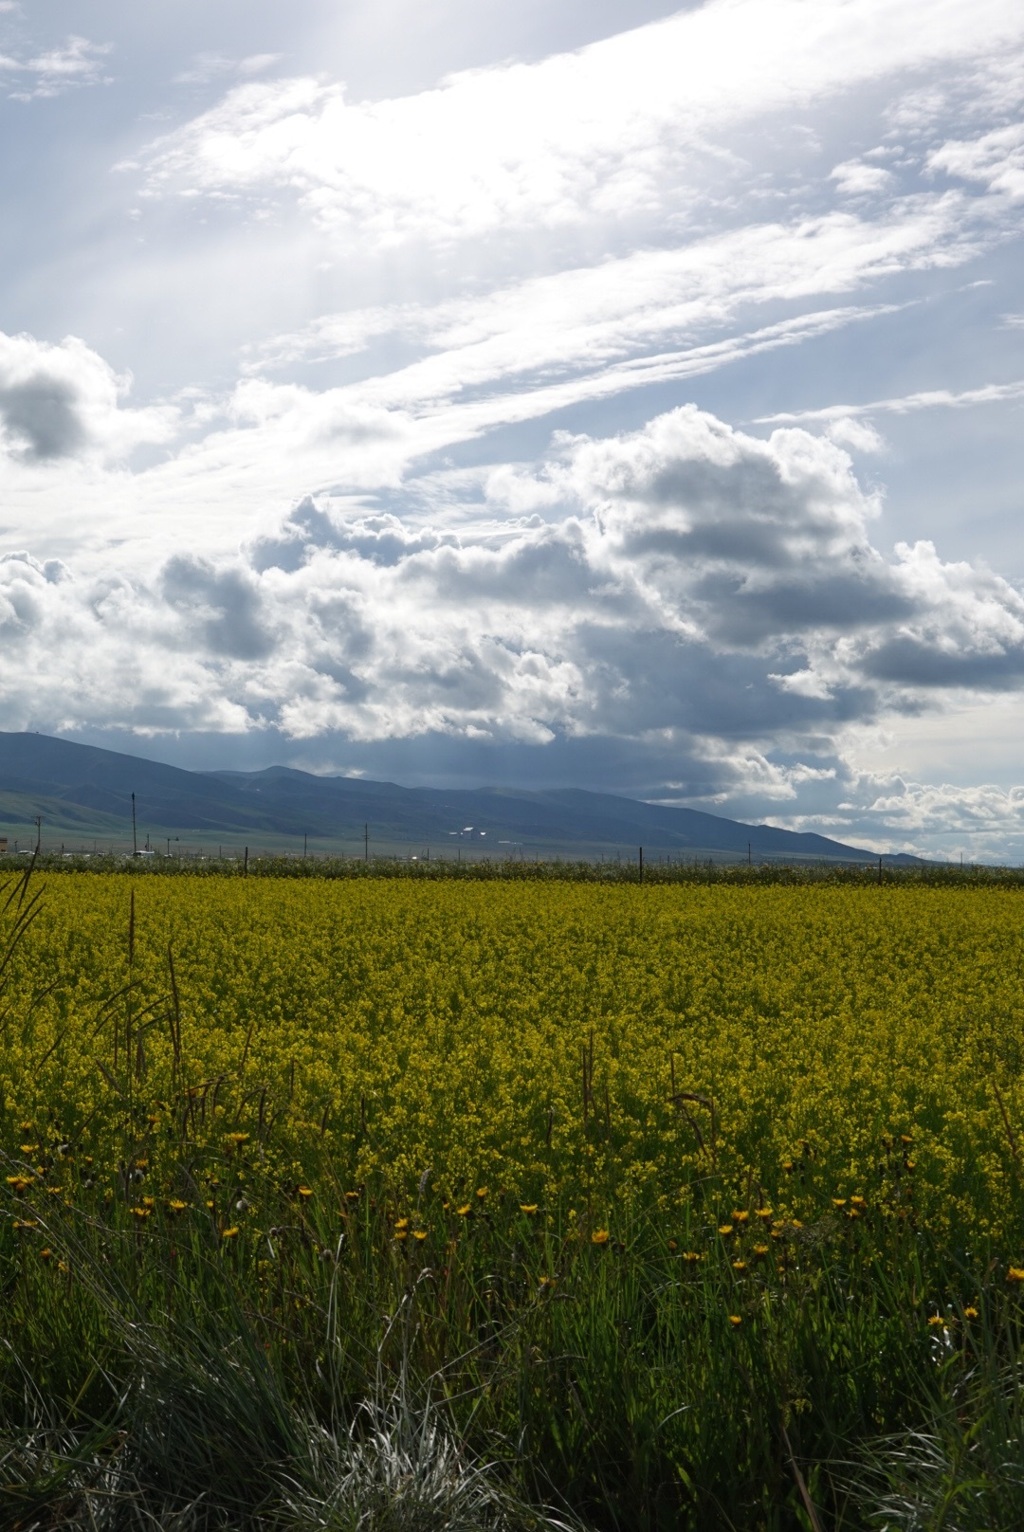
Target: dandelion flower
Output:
[(725, 1229), (735, 1320), (599, 1237), (229, 1233), (528, 1207), (1015, 1274)]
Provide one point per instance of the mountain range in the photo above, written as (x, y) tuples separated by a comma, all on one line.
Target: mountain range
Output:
[(80, 790)]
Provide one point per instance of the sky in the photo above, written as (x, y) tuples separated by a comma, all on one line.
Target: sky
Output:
[(575, 393)]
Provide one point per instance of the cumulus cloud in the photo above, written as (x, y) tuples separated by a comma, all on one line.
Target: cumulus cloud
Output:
[(64, 401), (694, 592)]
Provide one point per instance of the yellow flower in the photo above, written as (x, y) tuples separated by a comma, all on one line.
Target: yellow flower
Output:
[(175, 1205), (304, 1191), (237, 1138), (1015, 1274), (528, 1207), (970, 1312), (739, 1265), (725, 1229), (740, 1215), (464, 1210), (599, 1237), (735, 1319), (401, 1223), (419, 1233), (46, 1254), (141, 1212), (693, 1255), (760, 1250), (482, 1191), (858, 1202), (765, 1213), (229, 1233), (839, 1202), (401, 1233), (935, 1320), (29, 1148)]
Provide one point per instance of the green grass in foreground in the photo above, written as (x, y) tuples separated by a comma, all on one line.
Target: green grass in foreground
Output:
[(243, 1351), (155, 1365)]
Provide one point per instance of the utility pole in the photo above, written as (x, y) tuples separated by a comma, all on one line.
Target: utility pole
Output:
[(39, 833), (135, 837), (641, 864), (748, 853), (366, 843), (304, 838)]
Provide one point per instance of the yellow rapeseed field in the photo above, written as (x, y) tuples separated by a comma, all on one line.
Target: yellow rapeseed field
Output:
[(786, 1052)]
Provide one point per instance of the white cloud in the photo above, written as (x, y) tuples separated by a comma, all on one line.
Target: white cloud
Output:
[(996, 159), (51, 73), (604, 135), (61, 402), (65, 403), (858, 435), (927, 399), (594, 315), (689, 578), (855, 179)]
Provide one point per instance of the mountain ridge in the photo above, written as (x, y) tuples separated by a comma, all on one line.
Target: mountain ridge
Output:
[(74, 780)]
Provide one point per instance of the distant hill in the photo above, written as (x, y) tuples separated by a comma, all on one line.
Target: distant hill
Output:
[(84, 790)]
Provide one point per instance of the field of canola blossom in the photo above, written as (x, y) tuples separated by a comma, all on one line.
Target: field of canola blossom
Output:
[(686, 1196), (605, 1048)]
